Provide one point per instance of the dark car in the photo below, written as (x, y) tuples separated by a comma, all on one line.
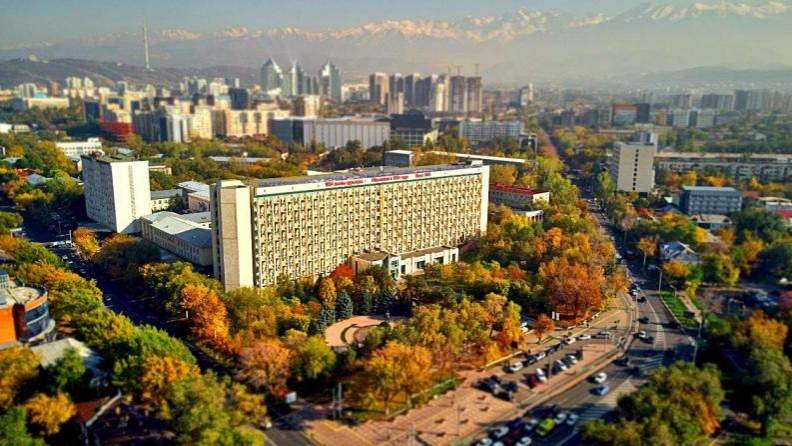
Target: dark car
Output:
[(505, 395), (623, 361), (530, 359), (532, 380), (641, 299), (643, 319), (510, 386), (671, 324)]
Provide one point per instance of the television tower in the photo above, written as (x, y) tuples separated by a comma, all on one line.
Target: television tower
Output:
[(146, 46)]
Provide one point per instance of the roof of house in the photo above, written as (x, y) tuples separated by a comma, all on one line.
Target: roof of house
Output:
[(675, 249), (51, 352), (169, 193), (190, 232), (709, 189), (524, 190)]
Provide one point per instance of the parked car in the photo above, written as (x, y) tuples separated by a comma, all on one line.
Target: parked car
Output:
[(641, 335), (570, 360), (530, 359), (602, 390), (545, 427), (560, 417), (540, 356), (572, 419), (559, 366), (584, 337), (603, 335), (524, 441), (510, 386), (532, 380), (643, 319), (486, 441), (514, 367), (499, 432), (623, 361), (649, 339), (569, 340), (600, 378), (530, 424)]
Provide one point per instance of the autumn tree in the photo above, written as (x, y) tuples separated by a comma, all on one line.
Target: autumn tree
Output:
[(675, 271), (86, 242), (648, 246), (160, 374), (121, 255), (266, 365), (18, 368), (503, 174), (312, 358), (572, 288), (208, 318), (542, 326), (396, 369), (327, 291), (48, 413), (759, 331)]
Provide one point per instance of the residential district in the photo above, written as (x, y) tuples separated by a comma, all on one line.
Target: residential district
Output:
[(415, 259)]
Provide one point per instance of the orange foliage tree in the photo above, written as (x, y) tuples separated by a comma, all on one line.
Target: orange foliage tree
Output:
[(572, 288), (266, 365), (208, 317)]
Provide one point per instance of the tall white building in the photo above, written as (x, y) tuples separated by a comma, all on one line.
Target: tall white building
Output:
[(632, 166), (117, 191)]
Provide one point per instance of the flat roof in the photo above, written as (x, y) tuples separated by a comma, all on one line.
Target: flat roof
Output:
[(525, 190), (480, 157), (185, 230), (113, 158), (168, 193), (709, 189), (19, 295), (369, 172), (400, 152), (723, 155)]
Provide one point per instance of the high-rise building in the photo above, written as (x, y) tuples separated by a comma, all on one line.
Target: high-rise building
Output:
[(293, 81), (478, 132), (411, 82), (474, 92), (526, 95), (307, 105), (423, 90), (642, 113), (709, 200), (632, 166), (331, 132), (624, 114), (163, 124), (458, 96), (438, 95), (395, 102), (271, 76), (331, 82), (117, 191), (395, 83), (718, 101), (240, 98), (379, 88), (307, 226)]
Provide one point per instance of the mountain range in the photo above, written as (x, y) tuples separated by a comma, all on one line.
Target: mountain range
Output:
[(524, 45)]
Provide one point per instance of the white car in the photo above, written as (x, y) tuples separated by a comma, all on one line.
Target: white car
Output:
[(584, 337), (499, 432), (561, 366), (540, 356), (524, 441), (572, 419), (530, 425), (515, 367), (641, 335), (600, 378), (486, 441), (572, 359), (570, 340), (560, 417)]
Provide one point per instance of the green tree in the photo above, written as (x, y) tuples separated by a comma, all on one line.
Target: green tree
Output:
[(776, 260), (67, 373), (769, 386), (343, 306), (13, 429), (766, 225), (18, 369), (386, 300), (313, 358)]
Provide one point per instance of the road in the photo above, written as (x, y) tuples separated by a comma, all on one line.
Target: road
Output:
[(141, 310)]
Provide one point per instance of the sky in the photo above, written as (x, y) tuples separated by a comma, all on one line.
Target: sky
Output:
[(28, 21)]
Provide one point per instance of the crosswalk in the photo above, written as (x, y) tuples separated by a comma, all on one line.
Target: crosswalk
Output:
[(608, 402)]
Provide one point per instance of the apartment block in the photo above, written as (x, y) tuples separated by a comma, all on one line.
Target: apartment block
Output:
[(117, 191), (765, 167), (478, 132), (517, 197), (632, 166), (77, 148), (709, 200), (307, 226)]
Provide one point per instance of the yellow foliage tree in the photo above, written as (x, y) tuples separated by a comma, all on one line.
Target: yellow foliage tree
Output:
[(160, 374), (48, 413), (18, 367)]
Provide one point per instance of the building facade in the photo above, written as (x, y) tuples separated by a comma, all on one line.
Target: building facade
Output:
[(632, 166), (24, 313), (188, 236), (307, 226), (765, 167), (709, 200), (517, 197), (479, 132), (117, 191), (77, 148)]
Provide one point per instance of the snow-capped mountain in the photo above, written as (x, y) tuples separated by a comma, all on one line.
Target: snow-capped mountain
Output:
[(526, 43)]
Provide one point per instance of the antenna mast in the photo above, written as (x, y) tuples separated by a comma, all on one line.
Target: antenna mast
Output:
[(146, 46)]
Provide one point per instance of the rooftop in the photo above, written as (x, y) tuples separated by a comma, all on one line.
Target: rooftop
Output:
[(19, 295), (726, 156), (169, 193), (481, 157), (370, 172), (515, 189), (709, 189), (112, 158), (189, 232), (194, 186), (50, 352)]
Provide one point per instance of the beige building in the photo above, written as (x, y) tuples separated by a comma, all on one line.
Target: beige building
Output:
[(202, 126), (307, 226), (740, 166), (404, 264), (240, 123), (116, 191), (517, 197), (188, 236), (632, 166)]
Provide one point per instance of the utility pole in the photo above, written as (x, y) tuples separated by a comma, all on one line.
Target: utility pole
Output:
[(660, 281)]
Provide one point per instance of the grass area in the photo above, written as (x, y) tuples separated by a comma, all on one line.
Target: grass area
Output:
[(679, 309)]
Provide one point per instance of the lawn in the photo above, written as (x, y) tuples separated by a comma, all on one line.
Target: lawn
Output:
[(679, 309)]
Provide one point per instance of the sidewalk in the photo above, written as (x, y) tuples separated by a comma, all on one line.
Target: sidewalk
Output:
[(463, 412)]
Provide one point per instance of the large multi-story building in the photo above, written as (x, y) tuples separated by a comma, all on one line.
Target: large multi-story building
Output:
[(474, 95), (624, 114), (709, 200), (414, 129), (478, 132), (379, 88), (117, 191), (632, 166), (307, 226), (78, 148), (271, 76), (458, 95), (332, 132), (330, 82), (765, 167), (163, 124), (188, 236), (517, 197)]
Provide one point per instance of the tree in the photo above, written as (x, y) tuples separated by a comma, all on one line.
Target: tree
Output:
[(648, 246), (13, 429), (208, 317), (766, 225), (86, 242), (9, 221), (777, 259), (343, 306), (312, 358), (18, 368), (160, 374), (542, 326), (675, 271), (266, 365), (203, 411), (572, 288), (396, 368), (50, 412), (503, 174), (327, 291), (121, 255), (386, 300), (769, 387), (759, 332), (604, 187), (67, 373)]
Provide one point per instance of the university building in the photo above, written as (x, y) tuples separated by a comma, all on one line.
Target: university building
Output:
[(400, 218)]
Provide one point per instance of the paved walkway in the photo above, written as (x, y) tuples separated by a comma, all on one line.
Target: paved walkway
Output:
[(463, 412), (342, 333)]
